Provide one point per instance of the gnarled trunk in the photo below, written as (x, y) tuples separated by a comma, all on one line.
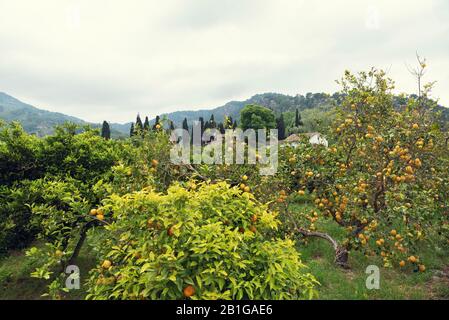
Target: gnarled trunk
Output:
[(341, 253)]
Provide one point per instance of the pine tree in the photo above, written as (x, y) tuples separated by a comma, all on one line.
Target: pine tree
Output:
[(132, 131), (106, 131), (280, 125), (146, 125)]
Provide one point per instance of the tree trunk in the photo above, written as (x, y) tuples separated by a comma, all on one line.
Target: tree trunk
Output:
[(341, 253)]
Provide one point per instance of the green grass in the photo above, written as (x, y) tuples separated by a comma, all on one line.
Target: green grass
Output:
[(338, 283), (16, 283)]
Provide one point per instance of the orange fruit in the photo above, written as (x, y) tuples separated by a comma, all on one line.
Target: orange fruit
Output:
[(154, 163), (93, 212), (106, 264), (100, 217), (422, 268), (402, 264), (188, 291)]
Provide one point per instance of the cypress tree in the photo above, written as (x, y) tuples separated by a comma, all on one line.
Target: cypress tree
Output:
[(146, 125), (213, 124), (132, 131), (202, 125), (280, 125), (106, 131), (156, 122), (185, 125), (221, 128), (172, 126), (138, 126), (298, 121)]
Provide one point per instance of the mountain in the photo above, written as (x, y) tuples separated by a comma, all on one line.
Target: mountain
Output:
[(42, 122), (314, 109), (275, 101)]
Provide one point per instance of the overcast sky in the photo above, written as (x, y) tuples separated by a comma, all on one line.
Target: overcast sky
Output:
[(105, 59)]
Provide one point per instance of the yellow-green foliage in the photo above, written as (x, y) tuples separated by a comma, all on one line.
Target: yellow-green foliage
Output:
[(213, 239)]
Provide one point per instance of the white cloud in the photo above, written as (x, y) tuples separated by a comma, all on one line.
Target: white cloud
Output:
[(104, 59)]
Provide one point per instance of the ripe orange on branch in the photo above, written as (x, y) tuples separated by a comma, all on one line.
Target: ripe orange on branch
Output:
[(188, 291)]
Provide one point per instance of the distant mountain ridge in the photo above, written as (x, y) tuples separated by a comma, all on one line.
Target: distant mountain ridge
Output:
[(275, 101), (42, 122)]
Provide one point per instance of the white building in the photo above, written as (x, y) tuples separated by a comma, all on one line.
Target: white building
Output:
[(315, 138)]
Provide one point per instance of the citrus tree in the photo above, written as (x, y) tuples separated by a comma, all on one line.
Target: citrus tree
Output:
[(384, 177), (209, 241)]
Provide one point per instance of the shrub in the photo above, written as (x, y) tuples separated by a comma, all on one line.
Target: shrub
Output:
[(209, 243)]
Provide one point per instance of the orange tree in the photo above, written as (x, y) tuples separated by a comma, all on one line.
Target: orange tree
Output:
[(384, 177), (207, 242)]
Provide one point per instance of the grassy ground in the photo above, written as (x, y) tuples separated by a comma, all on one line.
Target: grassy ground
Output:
[(16, 283), (336, 283)]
